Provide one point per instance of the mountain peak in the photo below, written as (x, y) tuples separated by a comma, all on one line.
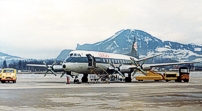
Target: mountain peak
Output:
[(121, 42)]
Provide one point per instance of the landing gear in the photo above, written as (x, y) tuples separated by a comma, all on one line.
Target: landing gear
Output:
[(128, 79), (84, 78), (76, 80)]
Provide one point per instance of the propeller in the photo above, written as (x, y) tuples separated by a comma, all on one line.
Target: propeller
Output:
[(62, 74), (49, 68), (138, 66), (134, 72), (117, 69)]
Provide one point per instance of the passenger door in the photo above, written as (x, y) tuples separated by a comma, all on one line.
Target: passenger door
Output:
[(91, 61)]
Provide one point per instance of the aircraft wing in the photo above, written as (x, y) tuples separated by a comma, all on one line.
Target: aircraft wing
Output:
[(169, 64), (41, 65), (35, 65), (150, 66), (52, 68)]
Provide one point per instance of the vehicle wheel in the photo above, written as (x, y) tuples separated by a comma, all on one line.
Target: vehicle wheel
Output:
[(167, 80), (14, 81), (186, 80), (3, 81)]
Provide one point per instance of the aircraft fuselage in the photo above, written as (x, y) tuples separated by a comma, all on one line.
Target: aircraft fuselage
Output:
[(88, 62)]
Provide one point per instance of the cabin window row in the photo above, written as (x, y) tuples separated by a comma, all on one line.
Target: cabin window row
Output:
[(98, 60), (116, 61)]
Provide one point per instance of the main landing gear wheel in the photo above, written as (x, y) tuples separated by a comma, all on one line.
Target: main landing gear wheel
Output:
[(128, 79), (186, 80), (84, 78)]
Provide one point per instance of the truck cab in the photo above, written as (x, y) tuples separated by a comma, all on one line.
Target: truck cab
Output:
[(183, 74), (8, 74)]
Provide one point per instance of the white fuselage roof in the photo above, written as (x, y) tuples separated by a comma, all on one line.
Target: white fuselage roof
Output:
[(101, 54)]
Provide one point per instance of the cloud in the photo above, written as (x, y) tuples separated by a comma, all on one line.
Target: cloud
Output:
[(56, 25)]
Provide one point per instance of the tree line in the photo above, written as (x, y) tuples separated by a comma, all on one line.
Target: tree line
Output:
[(21, 64)]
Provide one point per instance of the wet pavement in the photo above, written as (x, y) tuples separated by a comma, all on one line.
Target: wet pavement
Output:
[(34, 92)]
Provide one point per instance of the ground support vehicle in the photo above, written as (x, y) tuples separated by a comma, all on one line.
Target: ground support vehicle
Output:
[(150, 75), (169, 76), (181, 75), (8, 74)]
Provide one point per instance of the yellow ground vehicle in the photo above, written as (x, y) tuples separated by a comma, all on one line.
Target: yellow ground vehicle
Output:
[(0, 74), (8, 74), (168, 76), (151, 75)]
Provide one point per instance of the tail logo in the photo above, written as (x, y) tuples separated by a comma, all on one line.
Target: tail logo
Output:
[(135, 45)]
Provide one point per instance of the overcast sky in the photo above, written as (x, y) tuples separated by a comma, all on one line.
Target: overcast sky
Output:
[(43, 28)]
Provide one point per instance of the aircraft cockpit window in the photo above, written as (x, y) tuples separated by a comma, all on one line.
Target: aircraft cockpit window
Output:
[(79, 55), (71, 54), (76, 59), (75, 54)]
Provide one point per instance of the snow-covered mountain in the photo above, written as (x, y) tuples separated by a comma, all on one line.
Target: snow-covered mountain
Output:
[(8, 58), (63, 54), (121, 42)]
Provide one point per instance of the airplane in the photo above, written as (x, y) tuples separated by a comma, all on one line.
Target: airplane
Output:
[(92, 62)]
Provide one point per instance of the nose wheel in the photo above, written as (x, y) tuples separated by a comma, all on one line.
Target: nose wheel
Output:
[(76, 80)]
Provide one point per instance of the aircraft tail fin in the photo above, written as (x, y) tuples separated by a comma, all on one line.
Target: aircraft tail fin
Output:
[(134, 49)]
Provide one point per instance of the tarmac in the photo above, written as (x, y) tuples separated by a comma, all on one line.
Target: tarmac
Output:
[(34, 92)]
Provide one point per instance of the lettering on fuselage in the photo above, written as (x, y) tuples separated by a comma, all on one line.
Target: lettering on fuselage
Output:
[(103, 55)]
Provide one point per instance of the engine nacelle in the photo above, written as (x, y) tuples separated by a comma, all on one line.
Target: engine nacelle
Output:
[(146, 68), (111, 70), (126, 70), (57, 69)]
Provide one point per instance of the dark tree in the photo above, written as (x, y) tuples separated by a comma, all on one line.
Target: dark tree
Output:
[(20, 65), (4, 64)]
